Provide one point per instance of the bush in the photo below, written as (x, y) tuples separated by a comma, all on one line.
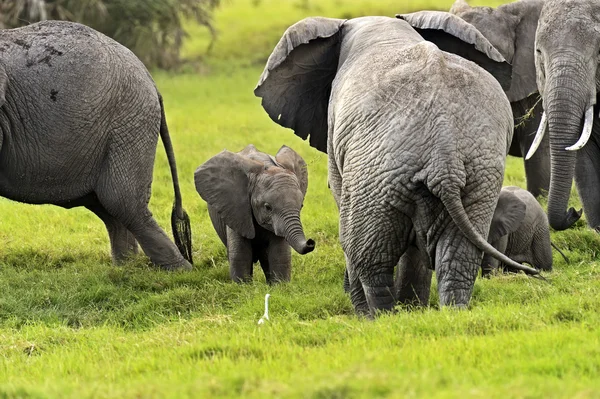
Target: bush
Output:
[(152, 29)]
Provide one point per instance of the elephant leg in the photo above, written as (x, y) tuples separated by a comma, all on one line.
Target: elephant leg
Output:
[(355, 290), (123, 189), (457, 264), (239, 252), (537, 169), (541, 249), (413, 278), (276, 260), (346, 281), (489, 263), (122, 241), (587, 180), (373, 248)]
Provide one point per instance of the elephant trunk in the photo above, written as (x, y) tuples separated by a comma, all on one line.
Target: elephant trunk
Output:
[(294, 234), (565, 102)]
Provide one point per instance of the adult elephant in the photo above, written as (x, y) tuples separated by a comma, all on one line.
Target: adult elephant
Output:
[(80, 118), (416, 140), (568, 75), (510, 28)]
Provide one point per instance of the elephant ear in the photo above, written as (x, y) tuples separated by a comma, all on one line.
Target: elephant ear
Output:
[(222, 181), (508, 215), (454, 35), (296, 83), (290, 160), (527, 14)]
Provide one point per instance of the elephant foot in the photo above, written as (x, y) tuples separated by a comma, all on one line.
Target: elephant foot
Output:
[(182, 265), (379, 299), (458, 298)]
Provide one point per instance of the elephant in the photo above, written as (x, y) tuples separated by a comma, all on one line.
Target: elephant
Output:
[(416, 139), (520, 230), (80, 119), (567, 55), (254, 202), (510, 28)]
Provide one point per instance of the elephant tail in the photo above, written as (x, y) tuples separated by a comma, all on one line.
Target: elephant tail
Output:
[(560, 252), (180, 221), (452, 201)]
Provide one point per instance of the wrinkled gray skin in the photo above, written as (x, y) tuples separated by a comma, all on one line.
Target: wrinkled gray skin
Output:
[(254, 202), (568, 75), (510, 28), (416, 139), (79, 125), (519, 230)]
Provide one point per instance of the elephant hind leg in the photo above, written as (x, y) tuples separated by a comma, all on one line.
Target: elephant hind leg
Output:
[(372, 249), (122, 241), (413, 278), (457, 263), (123, 189)]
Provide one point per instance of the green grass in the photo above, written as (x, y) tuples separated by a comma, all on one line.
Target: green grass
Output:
[(73, 325)]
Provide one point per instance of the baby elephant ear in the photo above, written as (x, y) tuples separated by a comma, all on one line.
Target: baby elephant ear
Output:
[(290, 160), (508, 216), (454, 35), (222, 181)]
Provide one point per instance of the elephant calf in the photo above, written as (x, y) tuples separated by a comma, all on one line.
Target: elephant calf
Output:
[(254, 202), (520, 230)]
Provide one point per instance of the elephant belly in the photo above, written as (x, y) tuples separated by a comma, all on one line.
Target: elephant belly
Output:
[(45, 184)]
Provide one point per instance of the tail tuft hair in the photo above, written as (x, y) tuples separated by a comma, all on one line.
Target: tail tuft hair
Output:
[(182, 233)]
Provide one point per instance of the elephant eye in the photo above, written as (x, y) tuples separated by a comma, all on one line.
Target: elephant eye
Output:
[(268, 207)]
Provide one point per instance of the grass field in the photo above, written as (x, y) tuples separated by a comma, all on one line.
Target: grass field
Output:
[(72, 325)]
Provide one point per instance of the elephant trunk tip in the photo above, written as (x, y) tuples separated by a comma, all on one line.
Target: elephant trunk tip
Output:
[(564, 221), (308, 247)]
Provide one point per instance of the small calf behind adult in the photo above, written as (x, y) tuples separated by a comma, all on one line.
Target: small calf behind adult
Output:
[(519, 229), (254, 202)]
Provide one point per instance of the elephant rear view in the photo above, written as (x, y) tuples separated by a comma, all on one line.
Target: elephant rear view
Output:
[(416, 139), (80, 119), (254, 202)]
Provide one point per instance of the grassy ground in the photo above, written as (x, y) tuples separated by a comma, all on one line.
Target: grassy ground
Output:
[(73, 325)]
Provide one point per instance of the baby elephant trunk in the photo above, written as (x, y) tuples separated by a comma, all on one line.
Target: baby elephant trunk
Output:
[(294, 234)]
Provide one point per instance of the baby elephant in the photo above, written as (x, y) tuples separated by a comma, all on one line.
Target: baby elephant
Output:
[(254, 202), (520, 230)]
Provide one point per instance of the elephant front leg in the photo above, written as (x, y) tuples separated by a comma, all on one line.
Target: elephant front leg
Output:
[(587, 179), (413, 278), (489, 263), (537, 169), (276, 260), (239, 253)]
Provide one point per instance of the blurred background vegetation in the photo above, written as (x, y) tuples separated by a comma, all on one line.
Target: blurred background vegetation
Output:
[(152, 29)]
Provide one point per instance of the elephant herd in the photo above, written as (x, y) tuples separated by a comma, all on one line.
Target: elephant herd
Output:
[(416, 114)]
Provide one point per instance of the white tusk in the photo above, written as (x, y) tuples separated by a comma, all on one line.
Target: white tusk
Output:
[(266, 315), (538, 137), (587, 130)]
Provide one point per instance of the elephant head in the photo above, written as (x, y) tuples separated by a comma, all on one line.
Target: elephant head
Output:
[(510, 28), (251, 186), (507, 219), (568, 76)]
